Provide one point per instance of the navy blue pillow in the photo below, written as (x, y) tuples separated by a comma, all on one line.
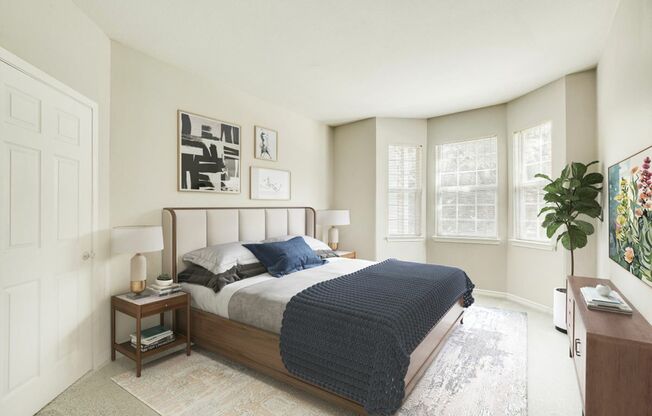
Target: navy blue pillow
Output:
[(284, 257)]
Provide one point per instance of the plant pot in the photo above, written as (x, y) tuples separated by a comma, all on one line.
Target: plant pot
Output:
[(559, 309)]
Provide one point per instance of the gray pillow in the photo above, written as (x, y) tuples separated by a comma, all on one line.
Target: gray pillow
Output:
[(221, 257), (250, 270), (198, 275)]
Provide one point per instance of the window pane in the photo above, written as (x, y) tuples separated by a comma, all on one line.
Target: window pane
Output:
[(467, 188), (404, 190), (533, 155)]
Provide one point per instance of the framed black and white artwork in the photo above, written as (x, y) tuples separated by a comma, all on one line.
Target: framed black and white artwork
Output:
[(209, 154), (265, 143), (270, 183)]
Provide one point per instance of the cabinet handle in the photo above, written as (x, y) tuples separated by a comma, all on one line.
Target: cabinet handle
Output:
[(577, 344)]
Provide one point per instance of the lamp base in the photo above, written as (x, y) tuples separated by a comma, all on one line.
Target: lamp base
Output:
[(333, 238), (138, 286)]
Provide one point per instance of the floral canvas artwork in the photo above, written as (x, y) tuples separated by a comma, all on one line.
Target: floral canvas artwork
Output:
[(630, 214)]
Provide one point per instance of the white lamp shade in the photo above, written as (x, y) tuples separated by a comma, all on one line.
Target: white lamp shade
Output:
[(333, 217), (137, 239)]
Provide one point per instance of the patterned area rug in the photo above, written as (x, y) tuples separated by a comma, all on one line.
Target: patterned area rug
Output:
[(481, 371)]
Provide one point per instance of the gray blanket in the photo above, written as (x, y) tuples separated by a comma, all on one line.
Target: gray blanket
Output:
[(354, 335)]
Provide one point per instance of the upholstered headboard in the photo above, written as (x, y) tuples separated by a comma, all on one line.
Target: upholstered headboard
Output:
[(188, 229)]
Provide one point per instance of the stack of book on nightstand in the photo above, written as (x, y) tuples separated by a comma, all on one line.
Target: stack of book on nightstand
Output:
[(153, 338), (159, 290), (610, 303)]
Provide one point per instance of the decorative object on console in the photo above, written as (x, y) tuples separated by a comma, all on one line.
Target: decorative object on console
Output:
[(137, 239), (270, 183), (630, 214), (209, 154), (265, 143), (333, 217)]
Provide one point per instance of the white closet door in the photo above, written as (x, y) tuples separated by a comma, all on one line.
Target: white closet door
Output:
[(45, 229)]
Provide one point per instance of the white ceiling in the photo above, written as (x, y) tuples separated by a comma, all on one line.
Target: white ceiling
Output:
[(339, 60)]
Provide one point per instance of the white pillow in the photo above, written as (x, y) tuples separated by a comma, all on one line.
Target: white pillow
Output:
[(221, 257), (313, 243)]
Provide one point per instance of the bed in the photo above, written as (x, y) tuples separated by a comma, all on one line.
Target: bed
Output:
[(253, 340)]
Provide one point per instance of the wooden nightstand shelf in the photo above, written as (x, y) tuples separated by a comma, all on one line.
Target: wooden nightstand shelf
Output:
[(346, 254), (144, 307)]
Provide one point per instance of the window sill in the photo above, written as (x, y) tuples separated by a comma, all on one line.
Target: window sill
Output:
[(466, 240), (538, 245), (396, 239)]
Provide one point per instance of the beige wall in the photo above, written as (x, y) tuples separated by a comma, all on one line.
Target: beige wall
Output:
[(354, 185), (398, 131), (485, 263), (146, 94), (625, 119), (533, 273), (59, 39), (581, 146)]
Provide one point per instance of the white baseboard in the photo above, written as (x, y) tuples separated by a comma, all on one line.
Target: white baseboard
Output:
[(504, 295)]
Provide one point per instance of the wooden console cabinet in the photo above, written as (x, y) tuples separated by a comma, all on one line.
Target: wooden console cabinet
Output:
[(612, 354)]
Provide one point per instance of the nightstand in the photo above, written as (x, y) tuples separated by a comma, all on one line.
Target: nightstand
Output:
[(346, 254), (144, 307)]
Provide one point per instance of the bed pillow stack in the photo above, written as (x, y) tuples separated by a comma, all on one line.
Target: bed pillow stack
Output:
[(221, 257), (284, 257)]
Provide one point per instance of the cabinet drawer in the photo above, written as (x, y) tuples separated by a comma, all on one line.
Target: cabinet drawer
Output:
[(579, 349), (163, 305)]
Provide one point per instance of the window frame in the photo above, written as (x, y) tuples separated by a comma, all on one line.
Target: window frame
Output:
[(493, 240), (419, 206), (516, 239)]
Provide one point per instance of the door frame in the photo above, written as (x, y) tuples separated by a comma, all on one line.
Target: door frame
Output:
[(41, 76)]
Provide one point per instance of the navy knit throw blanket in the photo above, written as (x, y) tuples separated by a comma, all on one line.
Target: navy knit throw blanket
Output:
[(353, 335)]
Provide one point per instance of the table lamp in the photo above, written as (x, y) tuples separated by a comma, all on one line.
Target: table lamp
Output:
[(333, 217), (137, 239)]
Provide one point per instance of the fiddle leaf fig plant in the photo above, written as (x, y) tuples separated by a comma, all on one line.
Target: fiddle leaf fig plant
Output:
[(571, 201)]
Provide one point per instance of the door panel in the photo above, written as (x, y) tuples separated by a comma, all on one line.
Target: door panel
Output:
[(45, 227)]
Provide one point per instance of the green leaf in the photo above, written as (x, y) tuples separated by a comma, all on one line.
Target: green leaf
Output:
[(552, 228), (565, 240), (548, 219), (550, 197), (587, 192), (542, 176), (553, 188), (545, 209), (586, 227), (593, 178), (578, 169), (576, 236), (575, 183)]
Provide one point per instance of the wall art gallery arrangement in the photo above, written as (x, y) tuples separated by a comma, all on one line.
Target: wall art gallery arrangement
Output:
[(210, 158), (630, 214), (209, 154)]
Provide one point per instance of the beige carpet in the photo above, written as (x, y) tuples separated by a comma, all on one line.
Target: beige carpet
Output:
[(482, 370)]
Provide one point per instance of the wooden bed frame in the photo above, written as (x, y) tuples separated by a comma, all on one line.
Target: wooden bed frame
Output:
[(259, 349)]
